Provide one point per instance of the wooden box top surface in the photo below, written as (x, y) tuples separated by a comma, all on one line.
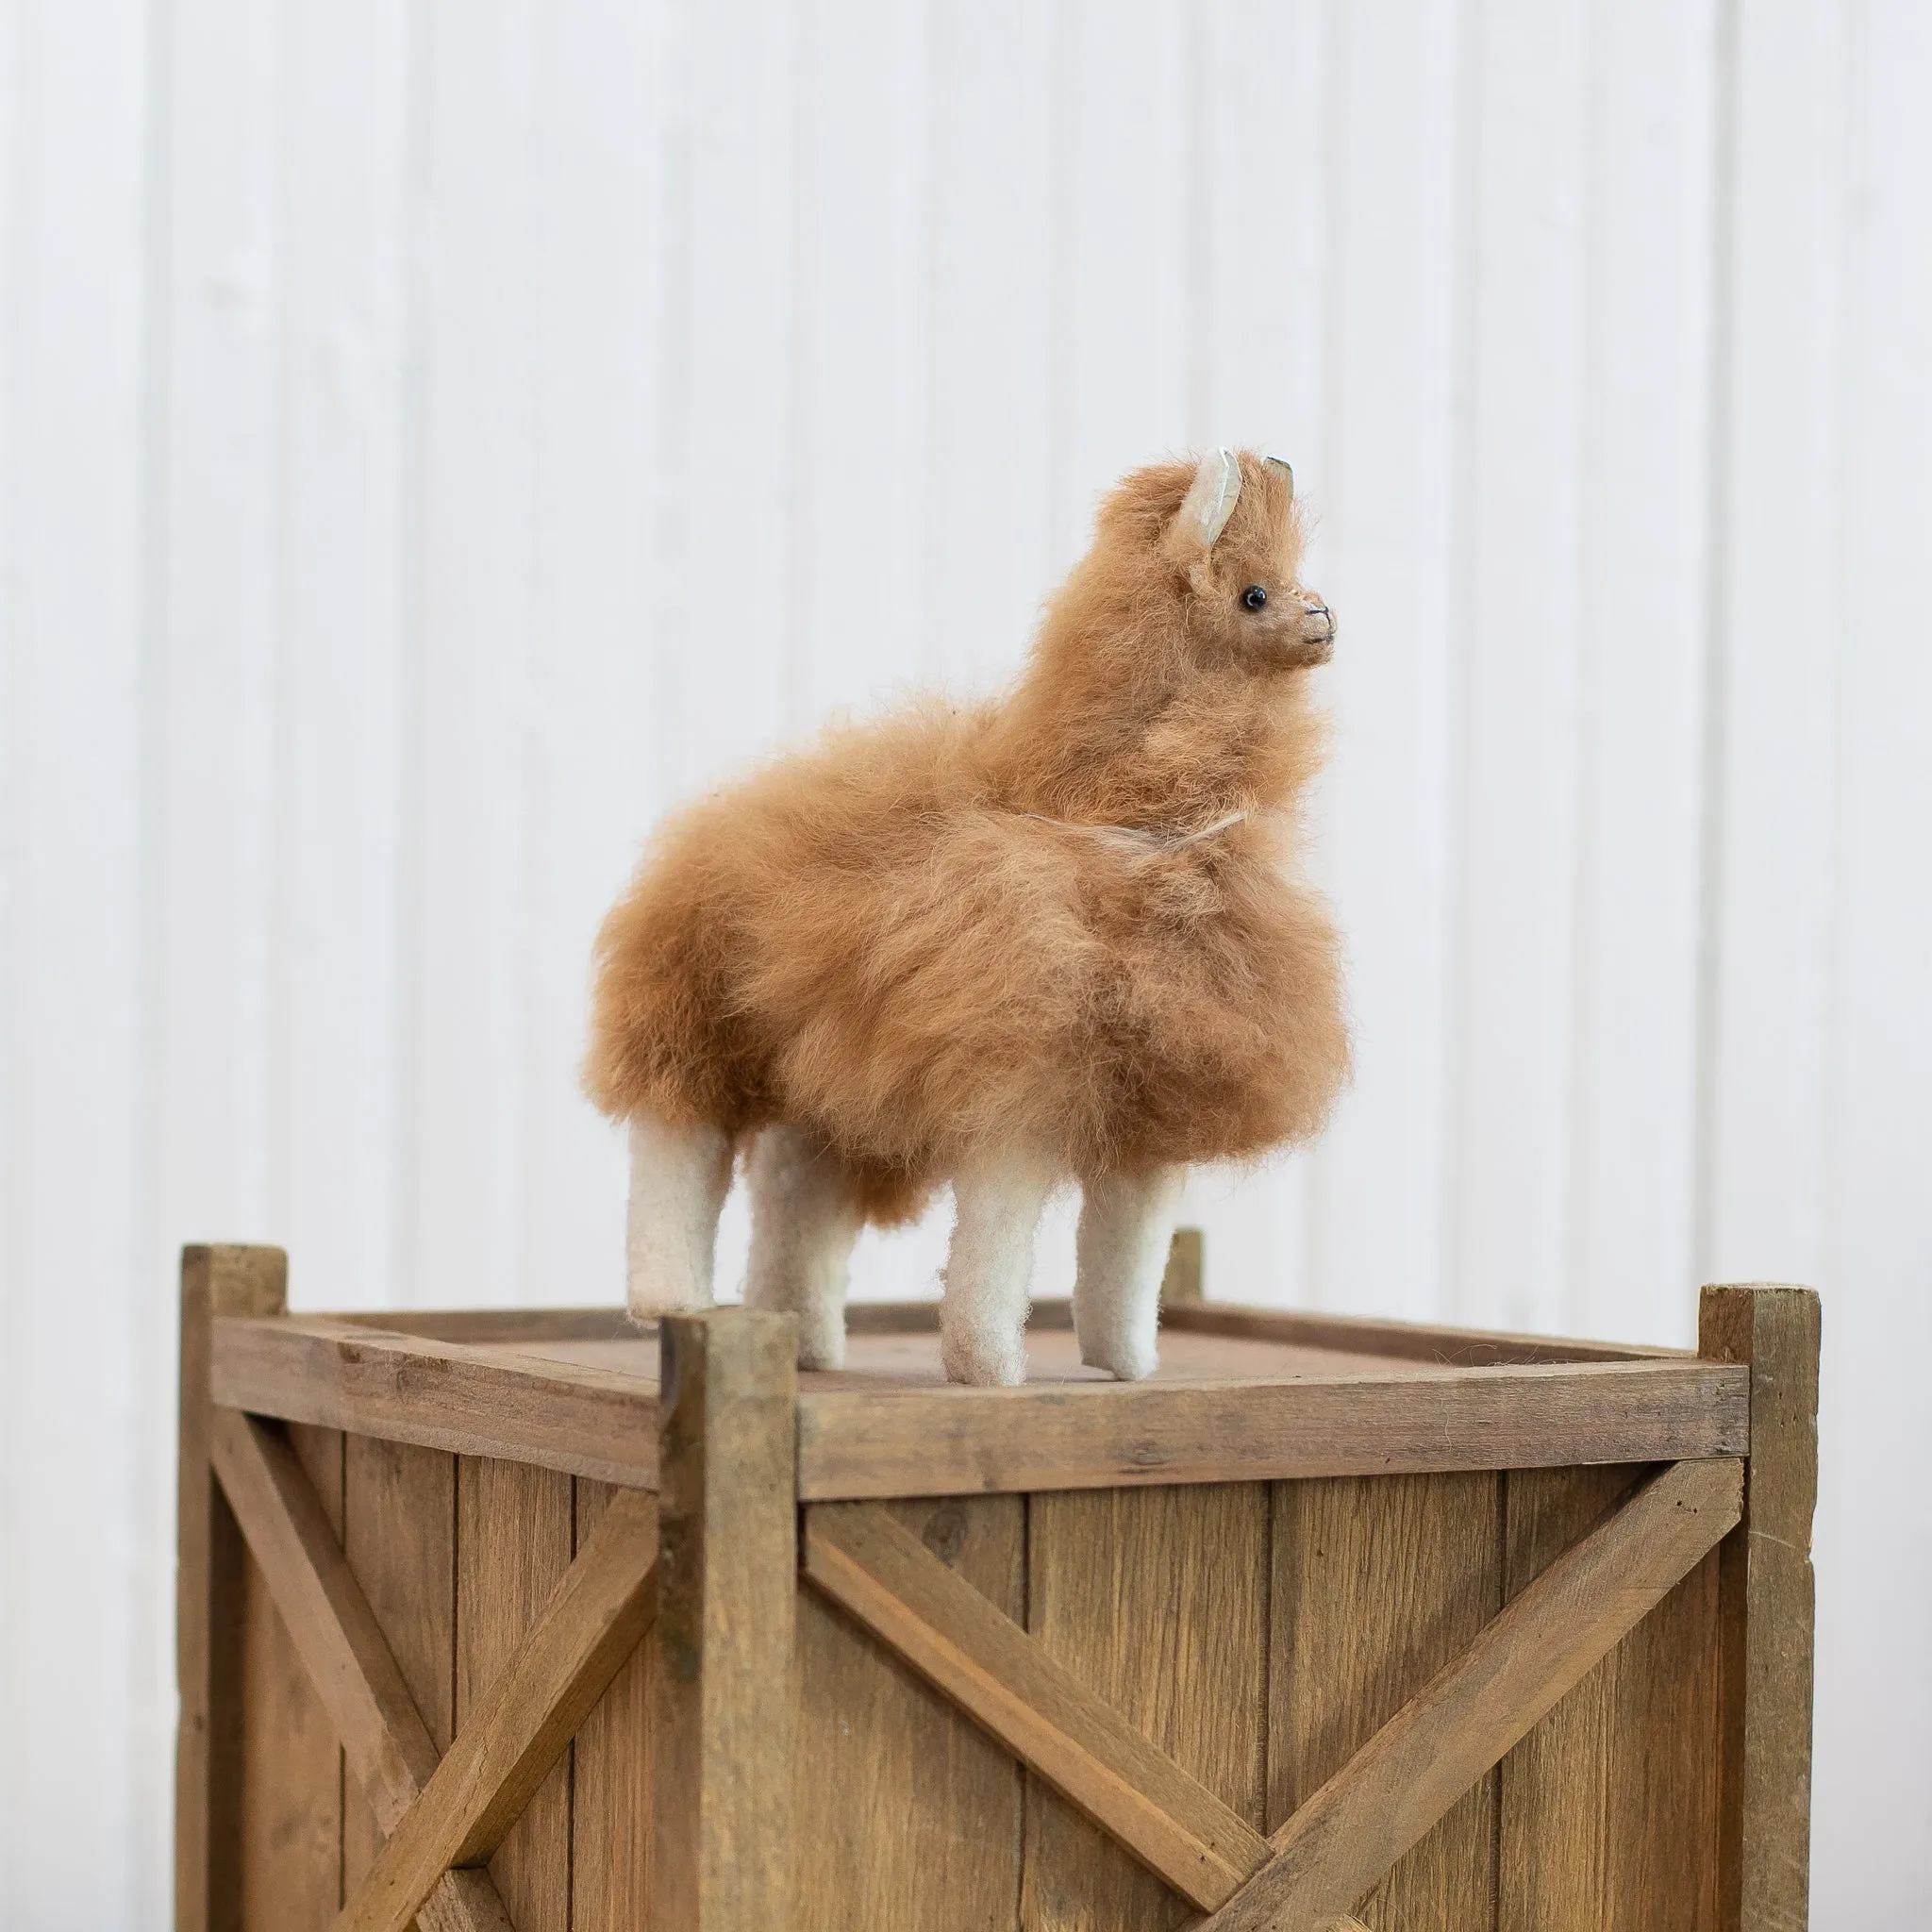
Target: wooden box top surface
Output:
[(1241, 1396)]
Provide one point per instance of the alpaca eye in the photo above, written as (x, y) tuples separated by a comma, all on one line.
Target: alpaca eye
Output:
[(1255, 596)]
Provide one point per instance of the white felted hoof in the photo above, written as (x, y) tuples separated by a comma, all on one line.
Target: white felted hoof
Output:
[(997, 1201), (804, 1221), (1126, 1224), (679, 1179)]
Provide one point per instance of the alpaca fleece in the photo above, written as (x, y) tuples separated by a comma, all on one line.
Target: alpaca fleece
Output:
[(915, 944)]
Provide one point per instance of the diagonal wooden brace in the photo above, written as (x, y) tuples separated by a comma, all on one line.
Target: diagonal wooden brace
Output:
[(388, 1748)]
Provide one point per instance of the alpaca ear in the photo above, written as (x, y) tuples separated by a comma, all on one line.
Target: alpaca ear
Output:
[(1208, 504), (1287, 475)]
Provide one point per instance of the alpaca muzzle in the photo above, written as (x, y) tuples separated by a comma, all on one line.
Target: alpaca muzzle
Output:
[(1316, 642)]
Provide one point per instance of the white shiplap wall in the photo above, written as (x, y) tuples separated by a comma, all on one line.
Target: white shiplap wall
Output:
[(435, 436)]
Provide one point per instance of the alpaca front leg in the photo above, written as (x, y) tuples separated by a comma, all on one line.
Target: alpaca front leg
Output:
[(804, 1220), (1126, 1224), (679, 1175), (997, 1201)]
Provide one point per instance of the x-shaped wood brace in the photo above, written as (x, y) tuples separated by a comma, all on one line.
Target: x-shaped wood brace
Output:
[(443, 1819), (1389, 1793)]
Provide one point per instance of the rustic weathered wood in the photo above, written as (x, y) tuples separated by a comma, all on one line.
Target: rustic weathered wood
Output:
[(1379, 1582), (448, 1395), (883, 1576), (907, 1813), (724, 1730), (1766, 1595), (215, 1282), (1342, 1840), (347, 1659), (1092, 1435), (611, 1781), (522, 1724), (1155, 1601), (1608, 1808), (513, 1547)]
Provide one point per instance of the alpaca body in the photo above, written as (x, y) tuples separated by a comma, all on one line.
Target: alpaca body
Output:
[(1057, 937)]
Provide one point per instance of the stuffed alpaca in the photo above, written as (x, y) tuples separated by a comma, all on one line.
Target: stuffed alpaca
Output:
[(1055, 936)]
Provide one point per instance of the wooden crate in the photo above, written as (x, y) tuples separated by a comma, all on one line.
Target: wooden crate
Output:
[(484, 1625)]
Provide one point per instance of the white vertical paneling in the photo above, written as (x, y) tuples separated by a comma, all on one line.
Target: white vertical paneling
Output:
[(1518, 690), (594, 758), (83, 1359), (1631, 1105), (1777, 632), (334, 1131), (471, 606), (1383, 474), (1875, 1544), (858, 560)]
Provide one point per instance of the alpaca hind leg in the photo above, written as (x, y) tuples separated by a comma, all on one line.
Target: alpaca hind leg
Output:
[(679, 1175), (1127, 1223), (997, 1201), (805, 1217)]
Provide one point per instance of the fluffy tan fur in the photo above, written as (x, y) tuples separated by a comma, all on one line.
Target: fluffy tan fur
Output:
[(904, 941)]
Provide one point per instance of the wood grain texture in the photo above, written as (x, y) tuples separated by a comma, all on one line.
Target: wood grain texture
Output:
[(1155, 1601), (908, 1815), (1342, 1840), (291, 1840), (399, 1536), (954, 1441), (522, 1724), (442, 1395), (1766, 1597), (612, 1817), (1609, 1807), (1462, 1348), (1378, 1583), (725, 1695), (513, 1546), (208, 1609), (887, 1579)]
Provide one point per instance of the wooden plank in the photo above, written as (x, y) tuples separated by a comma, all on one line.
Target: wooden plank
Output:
[(1017, 1688), (908, 1815), (1379, 1583), (399, 1536), (952, 1441), (611, 1834), (1766, 1607), (1462, 1348), (724, 1749), (215, 1282), (1340, 1840), (290, 1838), (523, 1721), (1607, 1807), (513, 1547), (442, 1395), (1156, 1602)]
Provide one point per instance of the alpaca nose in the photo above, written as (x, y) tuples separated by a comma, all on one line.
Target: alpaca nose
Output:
[(1318, 621)]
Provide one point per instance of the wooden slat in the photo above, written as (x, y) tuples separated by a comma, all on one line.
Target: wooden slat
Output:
[(1608, 1808), (216, 1282), (1379, 1582), (1767, 1593), (513, 1547), (592, 1623), (1156, 1602), (886, 1578), (348, 1661), (724, 1749), (442, 1395), (612, 1778), (907, 1814), (953, 1442), (1338, 1842)]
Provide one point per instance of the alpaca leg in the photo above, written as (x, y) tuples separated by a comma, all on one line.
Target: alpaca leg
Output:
[(804, 1220), (997, 1201), (679, 1179), (1127, 1223)]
